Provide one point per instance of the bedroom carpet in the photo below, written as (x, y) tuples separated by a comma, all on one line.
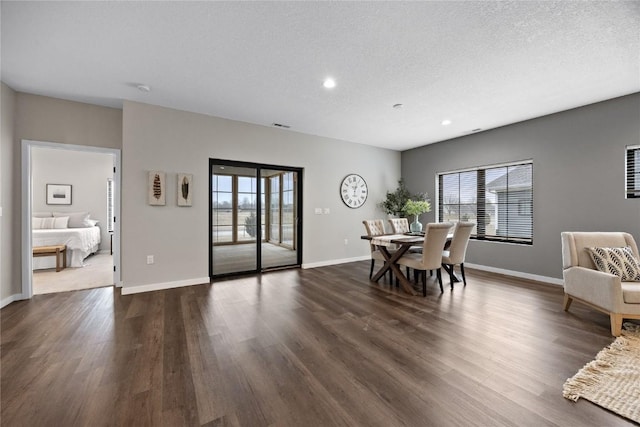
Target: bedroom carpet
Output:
[(97, 272)]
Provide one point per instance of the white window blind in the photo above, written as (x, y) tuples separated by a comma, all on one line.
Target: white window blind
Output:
[(633, 172), (499, 199)]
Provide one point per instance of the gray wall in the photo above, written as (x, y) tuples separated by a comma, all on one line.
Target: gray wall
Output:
[(156, 138), (578, 159), (86, 172), (578, 166), (9, 199), (40, 118), (176, 141)]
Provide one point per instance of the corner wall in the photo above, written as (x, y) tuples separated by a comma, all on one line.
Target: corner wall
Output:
[(578, 178), (10, 287), (40, 118), (156, 138)]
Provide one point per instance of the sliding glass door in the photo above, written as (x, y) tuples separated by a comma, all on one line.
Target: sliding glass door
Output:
[(254, 217), (234, 210), (279, 248)]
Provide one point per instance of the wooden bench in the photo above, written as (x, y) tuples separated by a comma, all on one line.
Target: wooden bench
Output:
[(56, 250)]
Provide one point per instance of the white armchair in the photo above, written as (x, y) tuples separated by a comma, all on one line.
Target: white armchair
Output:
[(603, 291)]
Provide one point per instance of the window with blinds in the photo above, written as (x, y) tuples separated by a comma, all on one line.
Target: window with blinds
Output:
[(633, 172), (110, 205), (499, 199)]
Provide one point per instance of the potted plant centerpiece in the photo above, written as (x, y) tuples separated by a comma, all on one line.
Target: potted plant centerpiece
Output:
[(397, 202), (415, 208)]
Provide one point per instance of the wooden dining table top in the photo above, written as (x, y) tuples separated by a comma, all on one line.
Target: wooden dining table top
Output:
[(397, 238)]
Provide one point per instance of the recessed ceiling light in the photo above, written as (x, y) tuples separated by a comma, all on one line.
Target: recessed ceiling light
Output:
[(144, 88), (446, 122), (329, 83), (398, 106)]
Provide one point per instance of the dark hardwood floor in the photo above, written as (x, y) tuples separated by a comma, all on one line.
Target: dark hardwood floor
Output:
[(318, 347)]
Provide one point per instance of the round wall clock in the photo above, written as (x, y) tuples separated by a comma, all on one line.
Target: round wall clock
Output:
[(354, 191)]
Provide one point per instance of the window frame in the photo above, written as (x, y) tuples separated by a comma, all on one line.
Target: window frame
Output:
[(632, 172), (235, 208), (480, 203)]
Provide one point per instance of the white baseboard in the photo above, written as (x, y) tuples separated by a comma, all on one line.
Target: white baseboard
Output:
[(199, 281), (9, 300), (537, 278), (160, 286), (335, 261)]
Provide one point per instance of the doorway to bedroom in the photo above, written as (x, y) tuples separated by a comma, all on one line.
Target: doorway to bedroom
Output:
[(72, 207)]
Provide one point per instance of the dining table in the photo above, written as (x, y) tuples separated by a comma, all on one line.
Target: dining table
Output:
[(386, 243)]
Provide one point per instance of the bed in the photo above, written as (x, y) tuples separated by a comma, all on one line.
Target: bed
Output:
[(81, 242)]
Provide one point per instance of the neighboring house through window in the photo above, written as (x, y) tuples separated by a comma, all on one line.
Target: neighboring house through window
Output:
[(499, 199)]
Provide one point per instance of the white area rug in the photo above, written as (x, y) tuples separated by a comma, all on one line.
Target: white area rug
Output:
[(612, 380)]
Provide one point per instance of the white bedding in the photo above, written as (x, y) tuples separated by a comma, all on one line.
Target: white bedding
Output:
[(81, 242)]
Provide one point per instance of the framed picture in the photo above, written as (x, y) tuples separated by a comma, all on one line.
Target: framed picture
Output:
[(58, 194), (185, 188), (157, 189)]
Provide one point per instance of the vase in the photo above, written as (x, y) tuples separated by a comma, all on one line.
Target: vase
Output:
[(415, 226)]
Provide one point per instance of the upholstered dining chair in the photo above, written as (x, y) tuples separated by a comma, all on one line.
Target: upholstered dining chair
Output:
[(602, 286), (435, 236), (456, 252), (375, 227), (399, 225)]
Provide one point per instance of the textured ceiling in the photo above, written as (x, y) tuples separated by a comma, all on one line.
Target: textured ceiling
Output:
[(479, 64)]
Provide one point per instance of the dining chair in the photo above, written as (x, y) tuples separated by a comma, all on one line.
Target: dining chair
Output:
[(457, 250), (375, 227), (399, 225), (435, 237)]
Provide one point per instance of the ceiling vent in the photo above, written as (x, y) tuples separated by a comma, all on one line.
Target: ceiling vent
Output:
[(280, 125)]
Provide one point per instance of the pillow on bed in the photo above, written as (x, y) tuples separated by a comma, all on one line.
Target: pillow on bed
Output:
[(76, 219), (41, 215), (92, 222), (49, 223)]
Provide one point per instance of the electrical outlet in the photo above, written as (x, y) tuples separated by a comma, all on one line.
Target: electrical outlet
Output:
[(346, 242), (318, 211), (149, 259), (327, 211)]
